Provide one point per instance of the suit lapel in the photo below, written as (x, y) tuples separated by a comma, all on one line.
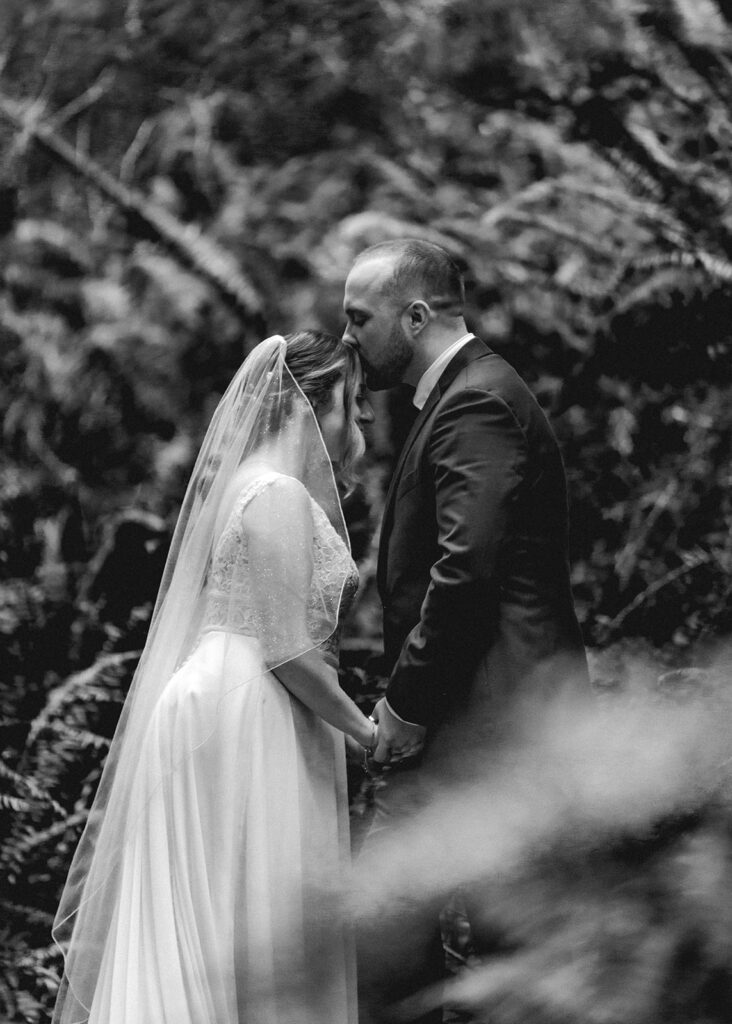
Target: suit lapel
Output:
[(412, 436), (470, 351)]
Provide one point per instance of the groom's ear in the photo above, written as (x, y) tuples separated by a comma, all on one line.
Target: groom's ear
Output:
[(419, 315)]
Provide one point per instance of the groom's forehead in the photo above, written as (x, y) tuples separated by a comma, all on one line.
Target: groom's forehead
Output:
[(365, 282), (371, 272)]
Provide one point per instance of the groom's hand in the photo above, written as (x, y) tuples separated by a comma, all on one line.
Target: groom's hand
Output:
[(396, 739)]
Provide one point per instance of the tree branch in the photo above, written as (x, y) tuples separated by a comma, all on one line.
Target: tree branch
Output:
[(200, 253), (87, 99), (610, 628)]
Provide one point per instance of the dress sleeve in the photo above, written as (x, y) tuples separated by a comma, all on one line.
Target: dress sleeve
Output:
[(278, 526)]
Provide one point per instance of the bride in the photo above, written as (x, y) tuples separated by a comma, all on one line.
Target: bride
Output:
[(205, 889)]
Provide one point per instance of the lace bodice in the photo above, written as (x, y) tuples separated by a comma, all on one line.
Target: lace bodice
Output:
[(233, 607)]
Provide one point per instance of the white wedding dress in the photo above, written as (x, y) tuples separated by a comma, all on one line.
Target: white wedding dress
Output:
[(236, 843)]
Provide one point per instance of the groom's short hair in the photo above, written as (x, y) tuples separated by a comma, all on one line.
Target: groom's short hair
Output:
[(422, 267)]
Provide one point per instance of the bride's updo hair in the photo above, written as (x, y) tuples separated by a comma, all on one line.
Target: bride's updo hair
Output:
[(318, 361)]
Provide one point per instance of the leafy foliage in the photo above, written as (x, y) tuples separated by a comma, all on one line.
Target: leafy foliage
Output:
[(573, 156)]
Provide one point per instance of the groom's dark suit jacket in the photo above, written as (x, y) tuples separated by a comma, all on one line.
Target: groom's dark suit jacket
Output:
[(473, 568)]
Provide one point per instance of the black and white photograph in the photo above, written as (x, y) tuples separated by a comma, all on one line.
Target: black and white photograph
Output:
[(366, 512)]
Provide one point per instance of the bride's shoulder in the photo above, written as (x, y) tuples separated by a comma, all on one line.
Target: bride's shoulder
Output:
[(252, 481), (259, 489), (273, 499)]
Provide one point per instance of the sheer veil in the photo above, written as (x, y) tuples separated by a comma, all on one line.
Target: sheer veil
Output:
[(262, 474)]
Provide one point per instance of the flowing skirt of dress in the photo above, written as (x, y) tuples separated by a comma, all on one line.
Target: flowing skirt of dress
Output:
[(237, 845)]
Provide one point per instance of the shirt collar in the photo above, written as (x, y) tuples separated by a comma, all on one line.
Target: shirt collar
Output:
[(433, 373)]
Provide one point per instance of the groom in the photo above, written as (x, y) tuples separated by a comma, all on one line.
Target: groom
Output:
[(473, 568)]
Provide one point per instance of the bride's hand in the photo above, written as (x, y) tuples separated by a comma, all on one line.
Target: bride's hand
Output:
[(354, 751), (360, 751)]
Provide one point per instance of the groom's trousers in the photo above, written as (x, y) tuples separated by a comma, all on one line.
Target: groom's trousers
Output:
[(401, 961)]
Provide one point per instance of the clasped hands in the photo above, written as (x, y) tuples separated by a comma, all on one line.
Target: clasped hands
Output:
[(395, 739)]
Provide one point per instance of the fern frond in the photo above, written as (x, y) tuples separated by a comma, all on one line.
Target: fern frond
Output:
[(23, 782), (29, 915), (14, 803), (639, 207), (80, 737), (694, 259), (45, 954), (89, 684), (6, 722), (34, 838), (636, 175), (553, 226), (715, 266)]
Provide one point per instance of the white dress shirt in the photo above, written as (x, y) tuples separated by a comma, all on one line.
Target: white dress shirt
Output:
[(433, 373)]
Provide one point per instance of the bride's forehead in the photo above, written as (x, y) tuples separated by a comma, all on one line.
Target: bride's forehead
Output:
[(334, 398)]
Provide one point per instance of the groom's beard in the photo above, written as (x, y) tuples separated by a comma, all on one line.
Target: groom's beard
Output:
[(396, 356)]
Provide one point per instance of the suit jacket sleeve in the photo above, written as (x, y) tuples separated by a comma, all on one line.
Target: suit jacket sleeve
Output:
[(478, 454)]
